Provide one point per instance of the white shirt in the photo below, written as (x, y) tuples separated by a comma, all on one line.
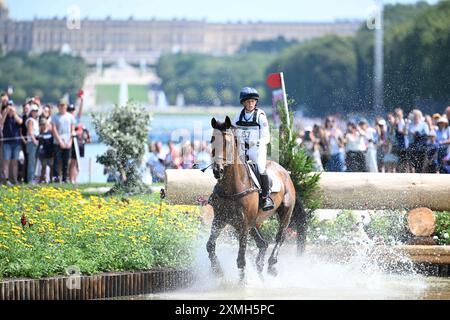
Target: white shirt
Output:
[(35, 128), (264, 133)]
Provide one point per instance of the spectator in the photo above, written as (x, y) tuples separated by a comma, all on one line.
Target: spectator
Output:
[(62, 128), (3, 104), (32, 126), (390, 158), (23, 164), (203, 156), (355, 149), (400, 146), (311, 145), (369, 134), (78, 135), (172, 160), (47, 115), (187, 153), (156, 162), (11, 125), (419, 133), (46, 150), (335, 141), (443, 140), (447, 113), (381, 142)]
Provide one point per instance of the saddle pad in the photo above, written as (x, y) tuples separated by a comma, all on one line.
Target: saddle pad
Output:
[(253, 176), (276, 183)]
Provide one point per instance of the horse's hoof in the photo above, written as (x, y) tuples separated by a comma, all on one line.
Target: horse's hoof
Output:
[(242, 280), (217, 271), (259, 267), (272, 271)]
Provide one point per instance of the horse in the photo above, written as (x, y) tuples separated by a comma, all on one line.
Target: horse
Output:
[(235, 201)]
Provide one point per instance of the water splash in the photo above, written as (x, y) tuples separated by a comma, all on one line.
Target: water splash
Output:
[(361, 274)]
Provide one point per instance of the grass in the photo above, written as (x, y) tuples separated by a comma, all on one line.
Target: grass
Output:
[(138, 93), (107, 94)]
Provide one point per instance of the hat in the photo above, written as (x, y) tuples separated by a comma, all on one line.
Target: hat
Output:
[(363, 120), (34, 107), (442, 120), (436, 116), (382, 122), (308, 129), (71, 108)]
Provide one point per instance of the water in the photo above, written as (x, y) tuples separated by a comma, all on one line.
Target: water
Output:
[(177, 128), (308, 277)]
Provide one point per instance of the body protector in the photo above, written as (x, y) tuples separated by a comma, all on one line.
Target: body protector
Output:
[(253, 136)]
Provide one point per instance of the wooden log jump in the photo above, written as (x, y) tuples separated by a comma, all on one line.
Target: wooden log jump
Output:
[(347, 190)]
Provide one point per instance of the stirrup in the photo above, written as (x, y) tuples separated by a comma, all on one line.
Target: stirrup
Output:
[(268, 203)]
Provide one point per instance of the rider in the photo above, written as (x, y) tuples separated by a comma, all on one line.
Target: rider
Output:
[(255, 132)]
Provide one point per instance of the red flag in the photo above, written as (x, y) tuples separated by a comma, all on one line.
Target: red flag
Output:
[(80, 93), (274, 80)]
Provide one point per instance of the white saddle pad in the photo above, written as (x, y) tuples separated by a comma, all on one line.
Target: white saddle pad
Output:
[(276, 183)]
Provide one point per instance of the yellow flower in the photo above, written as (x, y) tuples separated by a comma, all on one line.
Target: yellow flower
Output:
[(59, 241)]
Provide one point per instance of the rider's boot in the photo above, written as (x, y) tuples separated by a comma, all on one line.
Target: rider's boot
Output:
[(267, 201)]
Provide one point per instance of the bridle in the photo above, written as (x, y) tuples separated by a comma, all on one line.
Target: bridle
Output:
[(228, 162)]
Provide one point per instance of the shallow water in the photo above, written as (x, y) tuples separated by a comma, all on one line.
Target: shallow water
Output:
[(308, 277)]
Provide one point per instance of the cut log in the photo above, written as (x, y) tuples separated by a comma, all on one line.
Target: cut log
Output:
[(339, 190), (421, 222)]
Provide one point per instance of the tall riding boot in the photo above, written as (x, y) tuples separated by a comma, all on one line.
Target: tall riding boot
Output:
[(267, 201)]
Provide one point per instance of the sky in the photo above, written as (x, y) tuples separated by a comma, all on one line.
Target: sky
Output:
[(211, 10)]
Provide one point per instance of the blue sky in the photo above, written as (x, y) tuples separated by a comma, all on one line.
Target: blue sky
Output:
[(211, 10)]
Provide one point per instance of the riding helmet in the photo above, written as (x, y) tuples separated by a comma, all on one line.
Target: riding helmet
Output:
[(248, 93)]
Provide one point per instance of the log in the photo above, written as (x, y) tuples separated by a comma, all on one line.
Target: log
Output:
[(421, 222), (339, 190)]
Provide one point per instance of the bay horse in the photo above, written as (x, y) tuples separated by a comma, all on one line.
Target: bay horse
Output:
[(235, 201)]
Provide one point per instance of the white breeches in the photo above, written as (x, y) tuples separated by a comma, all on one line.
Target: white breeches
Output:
[(259, 156)]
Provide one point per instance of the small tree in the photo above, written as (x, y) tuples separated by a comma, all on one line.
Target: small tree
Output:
[(298, 162), (125, 131)]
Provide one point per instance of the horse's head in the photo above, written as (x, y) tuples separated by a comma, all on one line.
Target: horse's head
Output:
[(222, 145)]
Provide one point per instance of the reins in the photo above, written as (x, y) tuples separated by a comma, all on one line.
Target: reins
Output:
[(241, 194)]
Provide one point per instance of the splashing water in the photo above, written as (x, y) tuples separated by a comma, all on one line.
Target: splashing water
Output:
[(362, 274)]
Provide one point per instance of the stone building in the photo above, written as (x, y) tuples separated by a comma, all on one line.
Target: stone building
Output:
[(139, 40)]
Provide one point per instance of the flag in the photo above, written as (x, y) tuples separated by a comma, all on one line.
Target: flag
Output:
[(274, 80)]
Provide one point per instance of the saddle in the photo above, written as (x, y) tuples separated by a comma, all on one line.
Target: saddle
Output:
[(274, 183)]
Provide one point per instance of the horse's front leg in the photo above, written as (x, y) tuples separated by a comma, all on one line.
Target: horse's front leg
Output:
[(216, 228), (284, 218), (243, 235), (262, 245)]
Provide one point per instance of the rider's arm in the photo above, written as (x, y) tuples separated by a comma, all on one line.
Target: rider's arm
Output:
[(264, 129)]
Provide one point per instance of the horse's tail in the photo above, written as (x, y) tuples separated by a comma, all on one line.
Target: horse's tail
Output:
[(299, 222)]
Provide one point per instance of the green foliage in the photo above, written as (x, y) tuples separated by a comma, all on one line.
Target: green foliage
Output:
[(341, 230), (320, 74), (267, 46), (443, 227), (207, 80), (95, 234), (335, 74), (418, 60), (107, 94), (48, 75), (295, 159), (389, 226), (125, 131)]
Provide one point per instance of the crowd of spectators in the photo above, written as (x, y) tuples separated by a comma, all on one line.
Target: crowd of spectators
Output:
[(37, 144), (415, 144)]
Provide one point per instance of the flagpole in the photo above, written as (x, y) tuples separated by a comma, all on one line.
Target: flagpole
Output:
[(285, 102)]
